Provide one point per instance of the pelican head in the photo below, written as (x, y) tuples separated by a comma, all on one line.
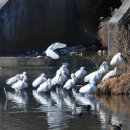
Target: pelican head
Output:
[(82, 68), (25, 73), (43, 74), (65, 64), (73, 76), (119, 53)]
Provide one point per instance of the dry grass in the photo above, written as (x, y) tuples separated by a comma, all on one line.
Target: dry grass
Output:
[(103, 32), (116, 85)]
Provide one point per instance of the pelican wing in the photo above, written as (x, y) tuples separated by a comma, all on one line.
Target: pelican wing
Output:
[(56, 45), (52, 54)]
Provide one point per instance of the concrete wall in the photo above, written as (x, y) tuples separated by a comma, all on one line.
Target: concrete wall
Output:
[(118, 19), (17, 62)]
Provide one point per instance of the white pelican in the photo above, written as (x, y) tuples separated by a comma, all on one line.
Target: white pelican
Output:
[(71, 82), (104, 67), (95, 76), (42, 78), (50, 50), (19, 85), (89, 88), (60, 78), (24, 76), (63, 67), (12, 80), (45, 87), (79, 74), (110, 74), (118, 59)]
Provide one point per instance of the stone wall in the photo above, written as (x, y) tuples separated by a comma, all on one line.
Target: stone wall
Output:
[(119, 18)]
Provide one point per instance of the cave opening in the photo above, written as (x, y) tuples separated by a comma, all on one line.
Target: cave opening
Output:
[(88, 23), (29, 25)]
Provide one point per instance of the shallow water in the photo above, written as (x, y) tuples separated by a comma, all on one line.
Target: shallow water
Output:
[(58, 109)]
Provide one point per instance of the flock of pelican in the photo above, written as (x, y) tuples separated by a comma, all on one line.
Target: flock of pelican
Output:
[(45, 84)]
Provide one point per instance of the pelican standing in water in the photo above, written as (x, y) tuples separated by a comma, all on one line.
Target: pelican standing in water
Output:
[(12, 80), (71, 82), (89, 88), (59, 78), (24, 76), (42, 78), (20, 84), (50, 50), (64, 67), (45, 87), (79, 74)]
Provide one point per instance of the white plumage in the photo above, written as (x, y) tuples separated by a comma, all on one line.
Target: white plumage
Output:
[(24, 76), (70, 83), (59, 78), (104, 67), (12, 80), (79, 74), (89, 88), (19, 85), (117, 59), (42, 78), (50, 50), (64, 67), (110, 74), (95, 76), (45, 87)]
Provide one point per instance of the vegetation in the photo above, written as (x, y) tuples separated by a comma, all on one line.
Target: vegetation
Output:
[(116, 85)]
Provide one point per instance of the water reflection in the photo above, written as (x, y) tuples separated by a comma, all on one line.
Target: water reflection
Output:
[(42, 98), (115, 110), (55, 115), (16, 100)]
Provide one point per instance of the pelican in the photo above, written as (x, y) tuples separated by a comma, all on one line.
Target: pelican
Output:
[(79, 74), (64, 67), (110, 74), (12, 80), (45, 87), (118, 59), (24, 76), (19, 85), (89, 88), (104, 67), (42, 78), (71, 82), (60, 78), (50, 50), (95, 76)]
